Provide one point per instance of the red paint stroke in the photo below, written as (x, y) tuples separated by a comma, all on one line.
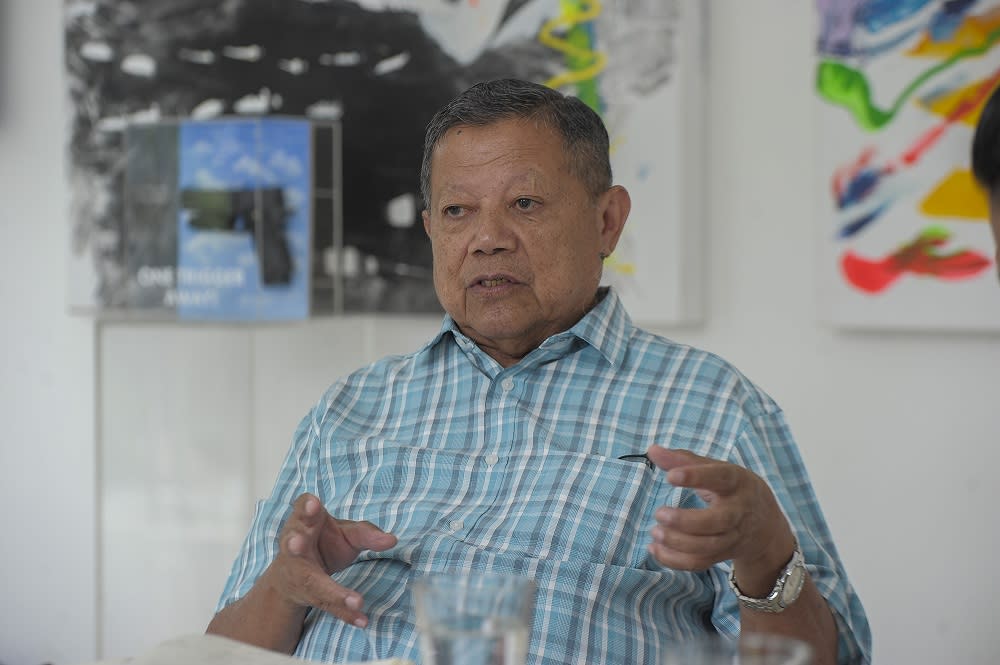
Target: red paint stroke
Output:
[(920, 257), (967, 106)]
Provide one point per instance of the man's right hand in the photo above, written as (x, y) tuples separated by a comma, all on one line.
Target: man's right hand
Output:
[(313, 545)]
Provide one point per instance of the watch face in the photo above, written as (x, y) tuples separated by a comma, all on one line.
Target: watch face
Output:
[(793, 585)]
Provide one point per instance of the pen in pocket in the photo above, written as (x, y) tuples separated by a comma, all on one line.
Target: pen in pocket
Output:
[(638, 458)]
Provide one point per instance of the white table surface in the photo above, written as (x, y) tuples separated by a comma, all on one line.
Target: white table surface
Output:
[(215, 650)]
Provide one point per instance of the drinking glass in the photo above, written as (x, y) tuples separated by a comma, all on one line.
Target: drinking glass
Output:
[(750, 649), (468, 618)]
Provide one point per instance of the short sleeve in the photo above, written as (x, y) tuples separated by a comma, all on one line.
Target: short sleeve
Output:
[(297, 475), (766, 447)]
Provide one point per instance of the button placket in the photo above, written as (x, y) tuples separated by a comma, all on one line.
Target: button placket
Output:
[(507, 385)]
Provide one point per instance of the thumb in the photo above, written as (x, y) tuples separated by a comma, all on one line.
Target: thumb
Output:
[(366, 536)]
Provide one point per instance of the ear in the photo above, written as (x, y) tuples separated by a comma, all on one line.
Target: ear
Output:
[(613, 209), (427, 222)]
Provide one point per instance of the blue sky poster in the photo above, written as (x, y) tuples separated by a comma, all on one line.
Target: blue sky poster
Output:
[(234, 263)]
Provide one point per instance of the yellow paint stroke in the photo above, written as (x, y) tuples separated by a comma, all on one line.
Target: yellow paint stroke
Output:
[(943, 105), (586, 11), (615, 143), (618, 266), (958, 195), (972, 33)]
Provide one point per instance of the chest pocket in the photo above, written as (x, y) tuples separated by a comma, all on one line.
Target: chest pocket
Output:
[(572, 506), (549, 504)]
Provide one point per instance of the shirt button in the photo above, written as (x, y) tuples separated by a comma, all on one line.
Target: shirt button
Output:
[(492, 459), (456, 525), (507, 384)]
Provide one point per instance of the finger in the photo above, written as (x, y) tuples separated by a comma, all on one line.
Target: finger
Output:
[(720, 478), (713, 548), (309, 509), (698, 521), (302, 529), (670, 458), (680, 465), (686, 469), (308, 513), (678, 560)]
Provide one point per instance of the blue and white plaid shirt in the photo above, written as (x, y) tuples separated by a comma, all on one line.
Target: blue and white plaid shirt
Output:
[(520, 470)]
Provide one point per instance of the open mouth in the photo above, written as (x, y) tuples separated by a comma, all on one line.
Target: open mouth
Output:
[(492, 281)]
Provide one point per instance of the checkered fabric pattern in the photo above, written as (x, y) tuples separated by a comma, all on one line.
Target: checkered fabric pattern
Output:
[(520, 470)]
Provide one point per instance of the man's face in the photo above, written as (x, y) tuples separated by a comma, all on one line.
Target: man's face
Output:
[(516, 236)]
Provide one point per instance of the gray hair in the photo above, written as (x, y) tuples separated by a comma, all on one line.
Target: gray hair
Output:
[(582, 130)]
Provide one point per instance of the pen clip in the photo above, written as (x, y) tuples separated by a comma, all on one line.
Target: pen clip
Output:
[(642, 457)]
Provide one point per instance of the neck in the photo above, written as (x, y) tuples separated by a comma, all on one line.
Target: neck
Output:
[(510, 351)]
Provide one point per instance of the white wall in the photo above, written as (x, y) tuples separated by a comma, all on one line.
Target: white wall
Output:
[(898, 431), (47, 446)]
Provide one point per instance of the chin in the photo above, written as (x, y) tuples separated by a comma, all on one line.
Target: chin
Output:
[(496, 328)]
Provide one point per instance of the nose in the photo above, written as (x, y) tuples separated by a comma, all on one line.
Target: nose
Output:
[(492, 232)]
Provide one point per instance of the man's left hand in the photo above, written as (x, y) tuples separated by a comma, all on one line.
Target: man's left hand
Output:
[(742, 521)]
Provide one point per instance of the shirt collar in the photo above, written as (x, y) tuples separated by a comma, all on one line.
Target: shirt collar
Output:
[(606, 327)]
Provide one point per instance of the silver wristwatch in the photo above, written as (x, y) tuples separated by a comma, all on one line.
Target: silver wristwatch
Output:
[(786, 589)]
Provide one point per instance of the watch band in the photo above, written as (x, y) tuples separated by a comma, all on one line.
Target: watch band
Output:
[(786, 589)]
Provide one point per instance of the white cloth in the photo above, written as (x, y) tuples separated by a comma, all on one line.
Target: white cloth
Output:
[(215, 650)]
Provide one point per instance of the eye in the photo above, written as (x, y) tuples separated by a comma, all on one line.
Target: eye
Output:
[(524, 203), (453, 211)]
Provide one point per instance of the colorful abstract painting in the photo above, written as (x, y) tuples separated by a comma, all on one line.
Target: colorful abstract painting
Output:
[(381, 68), (905, 238)]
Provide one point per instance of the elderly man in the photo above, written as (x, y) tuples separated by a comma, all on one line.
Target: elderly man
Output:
[(651, 490), (986, 161)]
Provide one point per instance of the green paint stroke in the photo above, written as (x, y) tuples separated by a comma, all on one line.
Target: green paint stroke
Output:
[(586, 89), (935, 233), (845, 86)]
